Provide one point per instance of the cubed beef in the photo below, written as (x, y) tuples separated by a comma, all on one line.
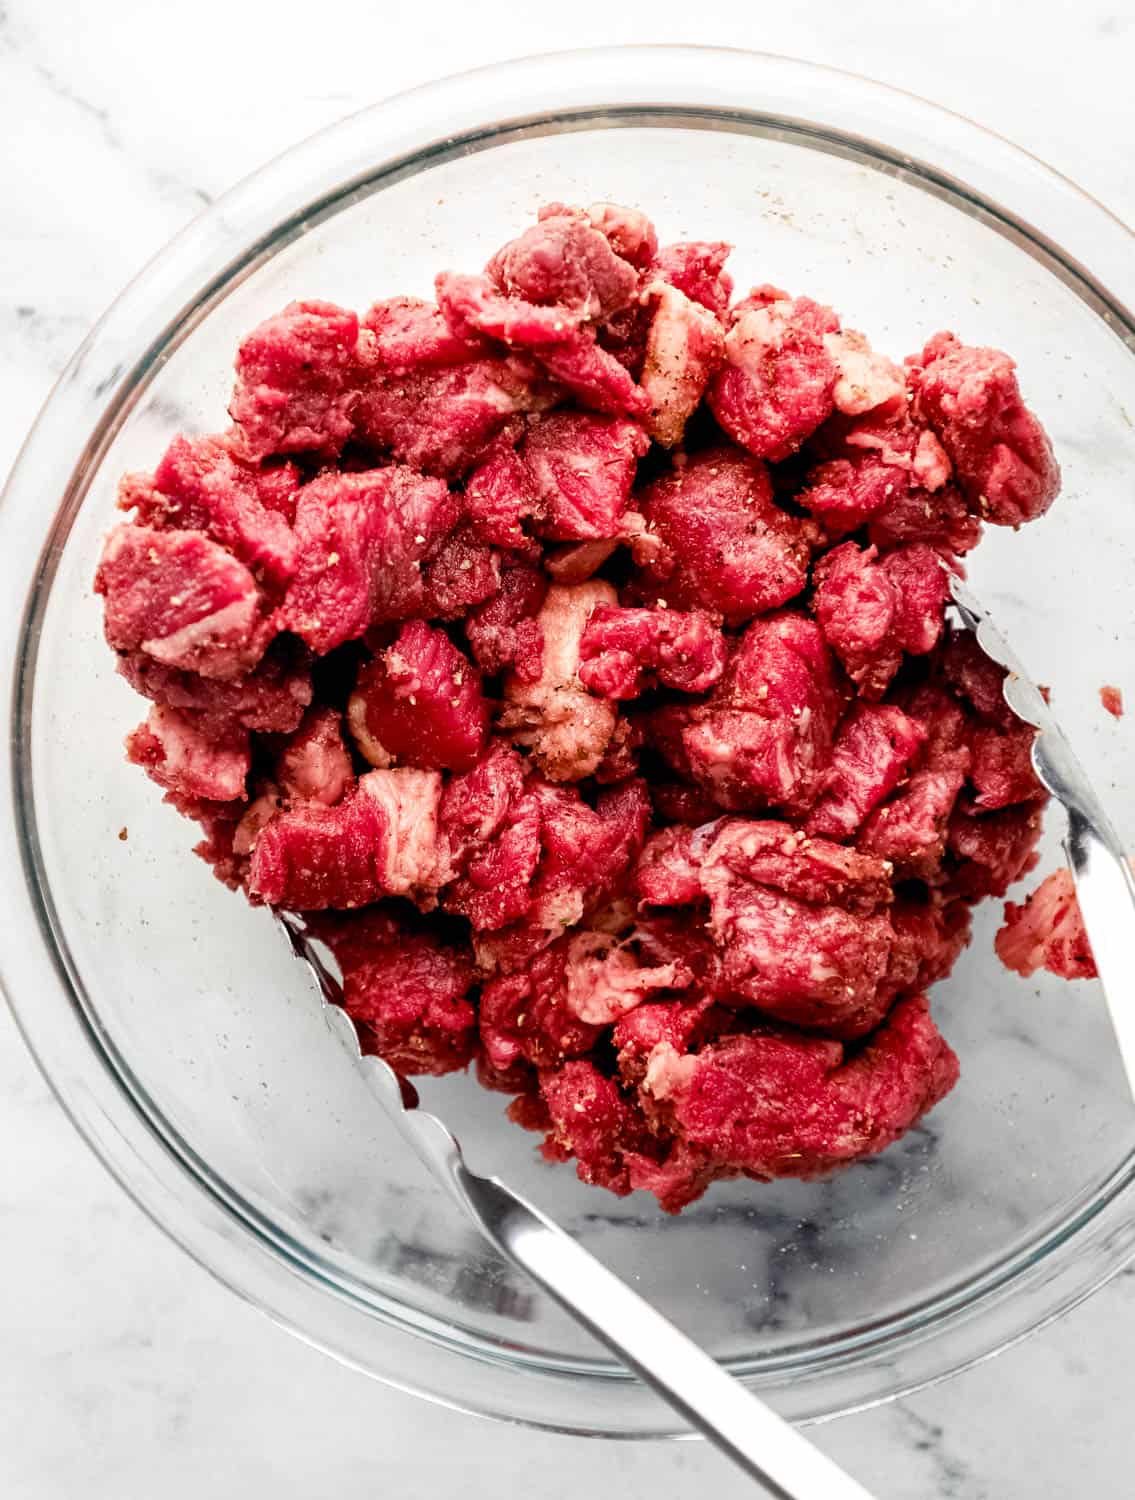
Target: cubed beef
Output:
[(405, 989), (625, 651), (178, 753), (993, 852), (201, 486), (776, 386), (718, 540), (764, 736), (272, 698), (380, 840), (500, 495), (404, 334), (505, 631), (864, 379), (872, 610), (628, 231), (565, 261), (363, 538), (783, 1106), (873, 748), (684, 346), (1000, 452), (566, 729), (581, 468), (1002, 770), (315, 764), (910, 828), (420, 703), (1047, 932), (462, 573), (442, 419), (179, 598), (591, 1121), (295, 382), (697, 269), (474, 309)]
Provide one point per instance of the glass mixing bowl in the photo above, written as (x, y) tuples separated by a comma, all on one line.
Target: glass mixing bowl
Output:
[(190, 1049)]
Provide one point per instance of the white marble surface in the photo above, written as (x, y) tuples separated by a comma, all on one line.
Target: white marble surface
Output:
[(124, 1371)]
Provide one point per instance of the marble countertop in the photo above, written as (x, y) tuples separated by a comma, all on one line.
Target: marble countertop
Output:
[(124, 1370)]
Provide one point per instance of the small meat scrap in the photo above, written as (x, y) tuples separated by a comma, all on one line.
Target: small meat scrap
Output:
[(717, 541), (1047, 932), (1112, 700), (569, 653), (623, 651)]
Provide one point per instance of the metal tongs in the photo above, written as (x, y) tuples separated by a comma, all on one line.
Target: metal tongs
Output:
[(769, 1449), (1105, 886), (758, 1441)]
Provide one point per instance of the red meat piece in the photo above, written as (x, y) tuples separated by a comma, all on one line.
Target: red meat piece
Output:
[(420, 702), (179, 598), (1112, 700), (462, 573), (491, 839), (873, 748), (929, 936), (315, 765), (976, 678), (1002, 770), (442, 419), (783, 1106), (1047, 932), (594, 377), (404, 334), (668, 872), (946, 724), (697, 268), (783, 858), (380, 840), (624, 651), (506, 631), (994, 851), (718, 541), (591, 1121), (627, 230), (765, 734), (525, 1015), (812, 966), (405, 990), (566, 729), (179, 755), (500, 495), (200, 486), (910, 828), (684, 347), (776, 387), (271, 699), (681, 1024), (563, 260), (844, 494), (587, 853), (473, 308), (941, 520), (295, 382), (1001, 454), (581, 469), (363, 538), (676, 802), (873, 609)]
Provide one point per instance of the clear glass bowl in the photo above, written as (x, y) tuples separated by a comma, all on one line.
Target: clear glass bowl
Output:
[(190, 1049)]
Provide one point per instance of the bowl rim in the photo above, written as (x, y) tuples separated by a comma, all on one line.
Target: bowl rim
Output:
[(938, 151)]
